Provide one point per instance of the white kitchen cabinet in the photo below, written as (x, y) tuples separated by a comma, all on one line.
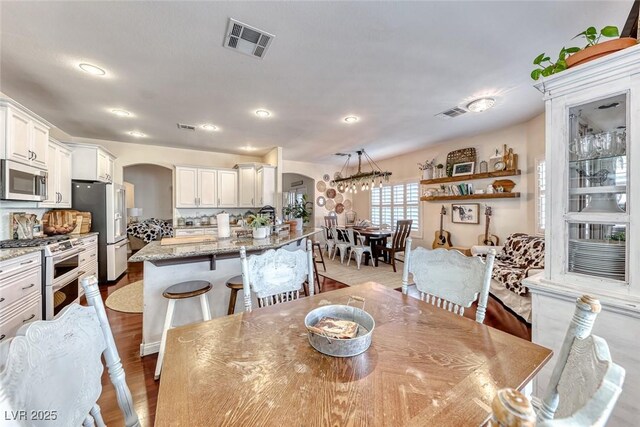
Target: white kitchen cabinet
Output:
[(266, 185), (20, 293), (196, 187), (59, 176), (592, 234), (91, 163), (227, 188), (246, 185), (23, 136), (207, 188)]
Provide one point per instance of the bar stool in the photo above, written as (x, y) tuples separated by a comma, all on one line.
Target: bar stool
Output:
[(183, 290), (235, 284), (319, 246)]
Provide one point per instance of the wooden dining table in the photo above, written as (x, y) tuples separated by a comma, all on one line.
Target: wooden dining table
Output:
[(425, 366), (375, 238)]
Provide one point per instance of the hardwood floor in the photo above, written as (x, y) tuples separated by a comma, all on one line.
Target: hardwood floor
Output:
[(127, 331)]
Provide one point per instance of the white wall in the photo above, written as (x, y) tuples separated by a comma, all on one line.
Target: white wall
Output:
[(155, 189), (509, 215)]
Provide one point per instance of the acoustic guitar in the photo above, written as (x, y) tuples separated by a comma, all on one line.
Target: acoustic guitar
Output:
[(443, 237), (488, 239)]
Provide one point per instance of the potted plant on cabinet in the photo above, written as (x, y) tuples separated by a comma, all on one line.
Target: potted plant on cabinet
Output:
[(300, 211), (260, 225)]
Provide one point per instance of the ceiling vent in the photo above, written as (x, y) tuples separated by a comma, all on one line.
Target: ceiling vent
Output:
[(451, 113), (246, 39), (182, 126)]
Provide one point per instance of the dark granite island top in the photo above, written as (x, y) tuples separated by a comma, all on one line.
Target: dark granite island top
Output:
[(156, 253)]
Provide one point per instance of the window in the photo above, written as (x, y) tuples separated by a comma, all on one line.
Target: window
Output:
[(541, 176), (393, 202)]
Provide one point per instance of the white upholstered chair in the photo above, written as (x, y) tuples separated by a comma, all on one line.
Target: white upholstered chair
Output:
[(277, 275), (55, 365), (357, 247), (449, 279)]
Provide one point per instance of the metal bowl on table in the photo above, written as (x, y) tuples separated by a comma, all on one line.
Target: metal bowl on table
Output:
[(341, 347)]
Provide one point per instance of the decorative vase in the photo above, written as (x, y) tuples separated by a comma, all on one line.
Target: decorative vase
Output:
[(298, 224), (599, 50), (427, 173)]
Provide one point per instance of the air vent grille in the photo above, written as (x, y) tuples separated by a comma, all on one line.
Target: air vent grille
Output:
[(246, 39), (451, 113), (183, 126)]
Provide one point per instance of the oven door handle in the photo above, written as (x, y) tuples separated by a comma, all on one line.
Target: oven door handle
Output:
[(67, 256)]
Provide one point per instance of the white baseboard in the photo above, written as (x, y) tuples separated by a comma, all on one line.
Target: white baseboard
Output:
[(149, 348)]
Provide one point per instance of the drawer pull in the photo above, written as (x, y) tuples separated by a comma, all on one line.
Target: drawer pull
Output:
[(29, 287), (2, 299), (25, 263), (80, 273), (30, 317), (3, 336), (92, 255)]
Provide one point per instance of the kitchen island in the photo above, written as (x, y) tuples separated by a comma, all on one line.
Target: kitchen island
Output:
[(214, 261)]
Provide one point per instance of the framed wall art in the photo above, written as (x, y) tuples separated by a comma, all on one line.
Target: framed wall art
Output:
[(465, 168), (465, 213)]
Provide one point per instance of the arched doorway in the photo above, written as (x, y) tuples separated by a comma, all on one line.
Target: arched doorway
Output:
[(294, 186), (152, 188)]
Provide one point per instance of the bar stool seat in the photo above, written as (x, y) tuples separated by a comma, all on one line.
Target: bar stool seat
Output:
[(182, 290), (235, 284)]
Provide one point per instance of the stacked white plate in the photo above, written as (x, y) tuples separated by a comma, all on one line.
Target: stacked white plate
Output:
[(598, 258)]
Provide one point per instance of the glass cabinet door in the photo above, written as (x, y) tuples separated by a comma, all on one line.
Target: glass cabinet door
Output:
[(597, 186)]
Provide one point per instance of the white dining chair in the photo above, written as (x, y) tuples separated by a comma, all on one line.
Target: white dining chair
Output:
[(277, 275), (329, 240), (54, 366), (342, 244), (449, 279), (585, 383), (358, 249)]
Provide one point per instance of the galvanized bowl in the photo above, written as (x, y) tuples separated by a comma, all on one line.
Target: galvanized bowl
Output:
[(341, 347)]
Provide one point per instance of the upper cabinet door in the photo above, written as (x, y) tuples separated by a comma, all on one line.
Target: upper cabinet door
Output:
[(227, 189), (63, 165), (103, 166), (18, 136), (208, 183), (246, 186), (52, 178), (39, 145), (186, 187), (267, 189)]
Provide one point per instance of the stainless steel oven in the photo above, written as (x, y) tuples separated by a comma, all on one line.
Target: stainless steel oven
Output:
[(62, 275), (22, 182)]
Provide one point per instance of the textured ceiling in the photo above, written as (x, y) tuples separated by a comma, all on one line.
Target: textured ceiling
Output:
[(394, 64)]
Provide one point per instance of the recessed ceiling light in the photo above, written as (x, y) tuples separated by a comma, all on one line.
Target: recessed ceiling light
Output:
[(481, 104), (248, 148), (92, 69), (262, 113), (209, 127), (137, 134), (351, 119), (121, 113)]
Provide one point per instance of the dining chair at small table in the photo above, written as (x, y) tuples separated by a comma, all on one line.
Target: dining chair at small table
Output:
[(54, 366), (342, 243), (358, 249), (398, 242), (449, 279), (276, 276), (330, 221)]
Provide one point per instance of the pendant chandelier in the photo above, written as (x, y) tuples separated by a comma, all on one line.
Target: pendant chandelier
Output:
[(360, 180)]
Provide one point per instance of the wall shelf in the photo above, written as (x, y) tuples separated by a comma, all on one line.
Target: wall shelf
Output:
[(471, 177), (471, 197)]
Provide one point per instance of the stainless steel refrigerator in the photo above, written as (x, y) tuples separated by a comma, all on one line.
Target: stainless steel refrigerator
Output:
[(107, 204)]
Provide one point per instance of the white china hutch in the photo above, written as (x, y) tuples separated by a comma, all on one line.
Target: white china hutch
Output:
[(593, 227)]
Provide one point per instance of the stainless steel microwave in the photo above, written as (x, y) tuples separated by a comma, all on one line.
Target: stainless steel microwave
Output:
[(22, 182)]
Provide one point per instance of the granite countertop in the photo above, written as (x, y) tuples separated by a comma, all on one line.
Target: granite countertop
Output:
[(187, 227), (7, 254), (155, 252)]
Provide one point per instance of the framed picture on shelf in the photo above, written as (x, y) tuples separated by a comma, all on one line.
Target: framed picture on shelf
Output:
[(465, 213), (465, 168)]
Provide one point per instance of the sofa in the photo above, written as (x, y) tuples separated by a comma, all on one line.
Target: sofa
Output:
[(521, 256)]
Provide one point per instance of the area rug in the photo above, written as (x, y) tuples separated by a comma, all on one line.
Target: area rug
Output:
[(127, 299), (350, 275)]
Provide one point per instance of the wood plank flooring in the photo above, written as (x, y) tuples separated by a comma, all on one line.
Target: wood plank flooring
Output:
[(127, 331)]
